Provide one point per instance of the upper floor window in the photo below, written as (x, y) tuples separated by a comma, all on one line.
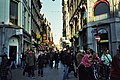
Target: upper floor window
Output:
[(13, 12), (83, 17), (119, 9), (101, 11)]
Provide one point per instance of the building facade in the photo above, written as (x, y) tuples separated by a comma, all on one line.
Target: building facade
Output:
[(20, 26), (93, 18), (15, 27), (36, 23)]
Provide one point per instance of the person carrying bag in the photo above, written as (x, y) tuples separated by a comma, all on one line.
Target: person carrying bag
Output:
[(106, 59)]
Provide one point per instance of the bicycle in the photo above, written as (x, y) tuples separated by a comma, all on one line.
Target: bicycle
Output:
[(104, 72), (5, 72), (95, 68)]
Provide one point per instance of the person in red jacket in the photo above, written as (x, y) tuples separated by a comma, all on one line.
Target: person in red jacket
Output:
[(115, 69)]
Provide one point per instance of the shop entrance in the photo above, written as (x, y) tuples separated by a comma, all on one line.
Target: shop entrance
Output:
[(104, 42), (12, 49)]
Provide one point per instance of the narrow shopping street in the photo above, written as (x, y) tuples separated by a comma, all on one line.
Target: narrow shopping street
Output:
[(83, 35), (49, 74)]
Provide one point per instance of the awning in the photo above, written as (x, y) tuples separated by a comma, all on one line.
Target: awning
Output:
[(41, 47)]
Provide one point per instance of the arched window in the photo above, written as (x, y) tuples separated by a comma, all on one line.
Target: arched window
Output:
[(102, 31), (101, 8), (101, 11)]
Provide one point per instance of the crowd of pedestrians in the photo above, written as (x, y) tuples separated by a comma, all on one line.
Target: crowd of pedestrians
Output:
[(93, 67), (85, 64), (32, 61)]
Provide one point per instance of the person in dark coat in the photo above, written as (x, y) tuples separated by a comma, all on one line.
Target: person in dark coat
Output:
[(84, 68), (115, 69), (51, 59), (40, 62), (4, 67), (13, 60), (30, 62), (56, 58)]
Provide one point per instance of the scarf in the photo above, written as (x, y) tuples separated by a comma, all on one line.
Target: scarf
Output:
[(85, 60)]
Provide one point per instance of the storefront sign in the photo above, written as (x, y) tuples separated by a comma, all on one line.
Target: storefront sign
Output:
[(19, 31)]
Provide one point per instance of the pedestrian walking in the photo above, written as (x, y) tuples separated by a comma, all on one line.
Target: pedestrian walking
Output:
[(46, 58), (23, 60), (115, 68), (25, 68), (66, 63), (56, 58), (4, 67), (84, 68), (65, 74), (30, 62), (40, 62), (51, 59), (106, 58), (72, 63), (79, 56), (13, 60)]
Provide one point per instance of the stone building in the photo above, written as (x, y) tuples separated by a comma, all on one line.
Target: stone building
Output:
[(95, 19), (16, 25)]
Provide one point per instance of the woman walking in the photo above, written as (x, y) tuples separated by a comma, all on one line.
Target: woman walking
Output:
[(115, 69), (84, 68)]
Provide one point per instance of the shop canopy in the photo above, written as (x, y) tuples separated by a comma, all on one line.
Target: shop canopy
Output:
[(41, 47)]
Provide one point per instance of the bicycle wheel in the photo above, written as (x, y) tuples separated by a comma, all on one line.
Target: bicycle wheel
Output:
[(9, 75), (96, 76)]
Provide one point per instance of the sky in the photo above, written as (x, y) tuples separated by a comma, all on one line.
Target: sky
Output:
[(52, 11)]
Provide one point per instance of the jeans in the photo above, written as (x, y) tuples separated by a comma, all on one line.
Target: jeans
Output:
[(40, 71), (65, 75), (13, 63)]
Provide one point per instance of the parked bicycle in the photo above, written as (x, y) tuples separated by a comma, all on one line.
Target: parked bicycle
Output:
[(5, 72)]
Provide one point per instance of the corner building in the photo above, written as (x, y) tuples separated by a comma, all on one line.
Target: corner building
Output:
[(92, 18), (15, 27)]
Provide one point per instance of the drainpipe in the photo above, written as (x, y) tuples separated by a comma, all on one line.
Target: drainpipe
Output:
[(3, 38)]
